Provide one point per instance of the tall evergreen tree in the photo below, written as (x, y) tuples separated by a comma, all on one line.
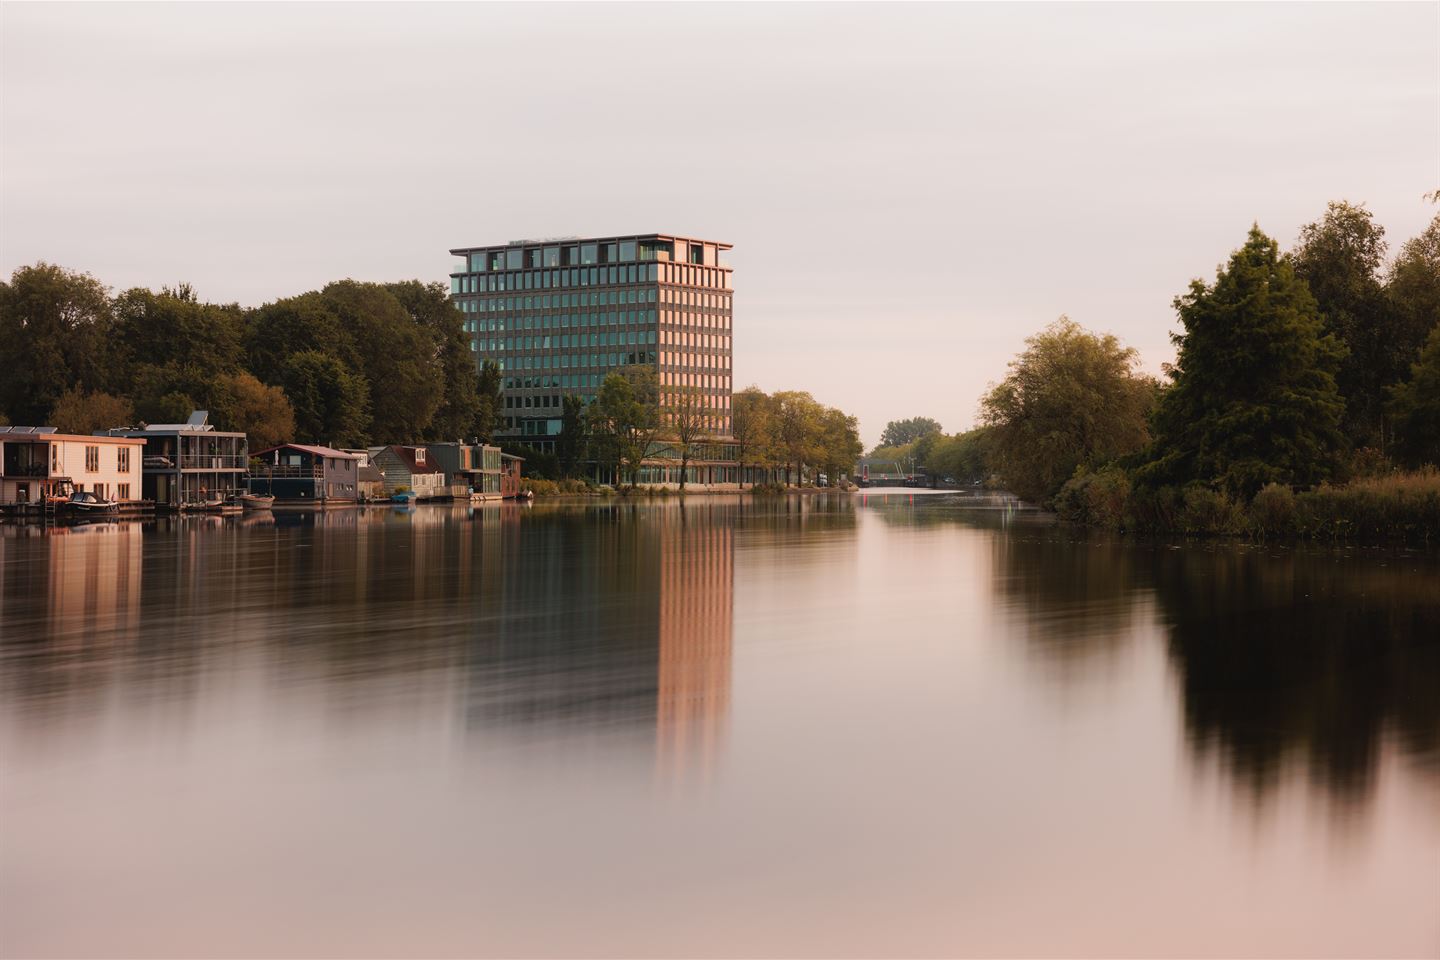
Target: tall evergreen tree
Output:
[(1253, 398), (430, 306), (489, 401)]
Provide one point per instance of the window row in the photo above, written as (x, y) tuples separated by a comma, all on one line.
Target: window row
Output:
[(569, 361), (563, 321), (559, 301), (613, 338)]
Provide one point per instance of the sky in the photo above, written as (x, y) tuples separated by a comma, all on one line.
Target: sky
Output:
[(912, 190)]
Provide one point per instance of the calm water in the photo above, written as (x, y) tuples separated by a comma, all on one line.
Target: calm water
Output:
[(890, 726)]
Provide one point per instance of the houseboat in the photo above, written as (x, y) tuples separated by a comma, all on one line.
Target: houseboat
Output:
[(41, 469), (472, 470), (191, 465), (409, 469), (305, 476)]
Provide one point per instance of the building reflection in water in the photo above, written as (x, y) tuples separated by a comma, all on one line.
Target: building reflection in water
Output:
[(556, 620), (616, 618)]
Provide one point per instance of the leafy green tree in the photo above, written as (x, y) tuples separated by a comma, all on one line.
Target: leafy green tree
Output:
[(838, 444), (572, 440), (685, 415), (489, 401), (1253, 397), (241, 402), (431, 308), (172, 338), (797, 424), (962, 456), (330, 402), (55, 333), (157, 406), (752, 424), (1413, 289), (625, 417), (900, 432), (276, 331), (1415, 405), (1340, 258), (396, 355), (79, 412), (1073, 399)]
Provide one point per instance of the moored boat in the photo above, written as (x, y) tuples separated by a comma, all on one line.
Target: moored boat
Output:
[(256, 501), (403, 497), (83, 503)]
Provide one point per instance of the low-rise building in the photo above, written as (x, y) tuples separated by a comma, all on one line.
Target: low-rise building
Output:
[(189, 464), (409, 468), (297, 473), (39, 462), (511, 483), (473, 466)]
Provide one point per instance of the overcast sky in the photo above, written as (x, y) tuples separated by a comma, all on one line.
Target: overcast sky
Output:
[(911, 190)]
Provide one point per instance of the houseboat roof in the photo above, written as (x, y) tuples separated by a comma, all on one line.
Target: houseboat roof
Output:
[(14, 434), (407, 455), (511, 456), (318, 451)]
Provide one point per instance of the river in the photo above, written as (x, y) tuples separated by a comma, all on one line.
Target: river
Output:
[(874, 725)]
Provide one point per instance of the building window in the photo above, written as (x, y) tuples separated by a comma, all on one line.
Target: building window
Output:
[(514, 259), (123, 460), (124, 491), (92, 459), (419, 456)]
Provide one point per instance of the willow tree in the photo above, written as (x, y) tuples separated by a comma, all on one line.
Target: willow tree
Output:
[(1253, 398), (1072, 399)]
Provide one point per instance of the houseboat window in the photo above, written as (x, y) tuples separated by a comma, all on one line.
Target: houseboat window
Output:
[(419, 456), (92, 459)]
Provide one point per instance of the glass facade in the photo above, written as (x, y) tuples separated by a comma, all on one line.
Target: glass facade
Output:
[(568, 315)]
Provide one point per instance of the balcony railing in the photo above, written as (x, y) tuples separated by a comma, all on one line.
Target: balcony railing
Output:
[(286, 471), (194, 461)]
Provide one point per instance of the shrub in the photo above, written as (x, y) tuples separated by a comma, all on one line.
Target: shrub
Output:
[(766, 489), (1208, 512), (1154, 509), (1399, 506), (1273, 510), (1097, 499)]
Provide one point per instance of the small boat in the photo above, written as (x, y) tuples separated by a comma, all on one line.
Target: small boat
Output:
[(256, 501), (403, 497), (215, 505), (84, 504)]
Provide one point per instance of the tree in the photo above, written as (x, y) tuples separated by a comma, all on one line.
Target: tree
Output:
[(625, 416), (1415, 406), (55, 334), (570, 444), (329, 401), (752, 426), (838, 443), (489, 401), (241, 402), (900, 432), (685, 416), (797, 419), (1340, 258), (1072, 399), (1413, 290), (431, 308), (1253, 397), (962, 456), (80, 412), (278, 330), (175, 342)]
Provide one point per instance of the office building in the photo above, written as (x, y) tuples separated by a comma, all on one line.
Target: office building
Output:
[(558, 315)]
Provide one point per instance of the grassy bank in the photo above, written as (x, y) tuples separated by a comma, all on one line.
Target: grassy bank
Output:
[(1398, 506)]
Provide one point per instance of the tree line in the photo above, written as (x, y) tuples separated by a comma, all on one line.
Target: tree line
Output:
[(350, 364), (788, 435), (1316, 365)]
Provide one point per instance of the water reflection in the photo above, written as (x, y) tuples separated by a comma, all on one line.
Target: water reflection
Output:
[(1313, 655), (579, 617)]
